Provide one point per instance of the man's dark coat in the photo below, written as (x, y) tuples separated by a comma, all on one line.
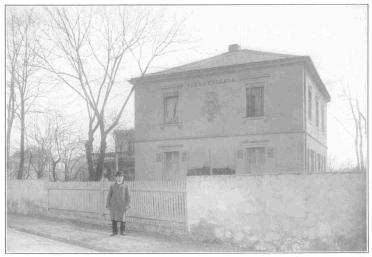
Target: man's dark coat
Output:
[(118, 200)]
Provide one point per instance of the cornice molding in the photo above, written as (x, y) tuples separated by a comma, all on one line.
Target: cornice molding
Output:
[(213, 71)]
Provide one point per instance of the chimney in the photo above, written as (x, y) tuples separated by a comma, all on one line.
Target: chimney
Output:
[(234, 48)]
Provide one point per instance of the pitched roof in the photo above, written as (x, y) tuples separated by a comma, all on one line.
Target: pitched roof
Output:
[(226, 59), (232, 58)]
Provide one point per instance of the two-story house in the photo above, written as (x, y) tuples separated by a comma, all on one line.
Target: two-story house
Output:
[(247, 111)]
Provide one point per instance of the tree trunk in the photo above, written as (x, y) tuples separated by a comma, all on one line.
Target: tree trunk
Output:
[(89, 155), (22, 157), (10, 122), (54, 164), (360, 136), (67, 175), (356, 148), (101, 157), (356, 131)]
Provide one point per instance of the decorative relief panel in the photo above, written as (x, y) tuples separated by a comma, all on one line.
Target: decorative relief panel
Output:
[(211, 108)]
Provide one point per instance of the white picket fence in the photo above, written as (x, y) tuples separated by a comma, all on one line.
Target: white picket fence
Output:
[(155, 200)]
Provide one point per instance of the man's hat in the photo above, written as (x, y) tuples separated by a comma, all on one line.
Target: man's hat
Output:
[(119, 174)]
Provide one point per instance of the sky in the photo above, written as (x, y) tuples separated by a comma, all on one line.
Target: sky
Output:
[(334, 36)]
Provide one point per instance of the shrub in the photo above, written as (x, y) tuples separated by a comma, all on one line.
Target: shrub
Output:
[(203, 171), (223, 171)]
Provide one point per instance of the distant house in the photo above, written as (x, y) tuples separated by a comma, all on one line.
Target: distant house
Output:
[(241, 112), (124, 153), (122, 159)]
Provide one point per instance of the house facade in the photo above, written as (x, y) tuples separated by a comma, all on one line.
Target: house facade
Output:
[(241, 112)]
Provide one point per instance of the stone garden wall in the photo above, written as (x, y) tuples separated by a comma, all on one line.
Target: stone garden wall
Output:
[(27, 196), (286, 213)]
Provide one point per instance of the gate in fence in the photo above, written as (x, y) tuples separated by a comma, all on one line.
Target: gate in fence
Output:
[(156, 205)]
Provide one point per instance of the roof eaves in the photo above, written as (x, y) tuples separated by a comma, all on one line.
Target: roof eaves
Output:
[(317, 77), (184, 74)]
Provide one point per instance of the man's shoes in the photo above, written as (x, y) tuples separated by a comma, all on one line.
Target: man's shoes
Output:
[(123, 233), (113, 234)]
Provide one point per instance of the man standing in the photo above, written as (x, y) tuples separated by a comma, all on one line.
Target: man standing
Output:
[(118, 201)]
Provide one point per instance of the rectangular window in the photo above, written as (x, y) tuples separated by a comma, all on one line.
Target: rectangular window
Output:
[(317, 113), (171, 109), (310, 111), (255, 100), (255, 162), (322, 119), (308, 160), (312, 162), (325, 163), (171, 168), (319, 163)]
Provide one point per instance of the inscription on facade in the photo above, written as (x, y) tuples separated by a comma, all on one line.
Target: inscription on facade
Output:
[(211, 82)]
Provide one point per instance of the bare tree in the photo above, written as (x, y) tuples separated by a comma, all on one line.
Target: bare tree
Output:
[(92, 43), (46, 132), (59, 142), (13, 45), (358, 118), (24, 86), (331, 163), (72, 147)]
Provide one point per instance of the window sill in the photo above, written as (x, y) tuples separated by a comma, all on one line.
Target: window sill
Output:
[(179, 125), (245, 119), (255, 118)]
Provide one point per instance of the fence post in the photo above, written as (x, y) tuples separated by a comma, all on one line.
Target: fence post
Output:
[(101, 198)]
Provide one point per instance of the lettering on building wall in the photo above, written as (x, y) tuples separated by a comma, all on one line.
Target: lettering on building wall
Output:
[(211, 82)]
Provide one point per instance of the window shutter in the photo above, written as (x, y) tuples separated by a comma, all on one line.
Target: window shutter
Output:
[(240, 161), (247, 102), (158, 165), (184, 165)]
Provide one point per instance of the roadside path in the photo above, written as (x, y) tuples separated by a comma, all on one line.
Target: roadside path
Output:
[(20, 242), (97, 238)]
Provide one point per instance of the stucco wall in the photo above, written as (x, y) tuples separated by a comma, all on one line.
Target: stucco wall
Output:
[(27, 196), (311, 127), (283, 104), (289, 212), (221, 152), (317, 147)]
